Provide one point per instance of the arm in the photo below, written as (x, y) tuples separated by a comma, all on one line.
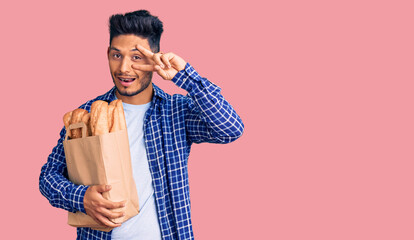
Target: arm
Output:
[(55, 186), (210, 118), (61, 193)]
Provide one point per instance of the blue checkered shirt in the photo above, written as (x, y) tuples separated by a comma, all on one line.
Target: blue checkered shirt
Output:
[(171, 125)]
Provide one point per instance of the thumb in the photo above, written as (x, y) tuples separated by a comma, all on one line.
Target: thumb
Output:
[(103, 188)]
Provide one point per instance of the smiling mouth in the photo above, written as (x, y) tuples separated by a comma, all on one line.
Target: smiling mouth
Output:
[(124, 79)]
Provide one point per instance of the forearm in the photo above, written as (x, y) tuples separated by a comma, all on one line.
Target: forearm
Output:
[(210, 108), (53, 184)]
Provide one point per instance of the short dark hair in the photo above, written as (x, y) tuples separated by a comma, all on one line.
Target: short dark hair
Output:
[(140, 23)]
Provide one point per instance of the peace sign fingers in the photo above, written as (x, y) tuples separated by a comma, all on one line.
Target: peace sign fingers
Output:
[(165, 64), (147, 53)]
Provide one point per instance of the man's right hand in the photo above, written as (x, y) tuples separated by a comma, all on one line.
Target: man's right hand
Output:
[(99, 208)]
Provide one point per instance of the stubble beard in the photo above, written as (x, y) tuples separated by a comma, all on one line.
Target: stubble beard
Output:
[(144, 82)]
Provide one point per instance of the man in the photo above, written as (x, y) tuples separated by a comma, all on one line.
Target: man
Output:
[(161, 129)]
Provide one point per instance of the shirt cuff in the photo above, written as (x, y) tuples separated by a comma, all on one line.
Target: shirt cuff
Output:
[(184, 78), (76, 196)]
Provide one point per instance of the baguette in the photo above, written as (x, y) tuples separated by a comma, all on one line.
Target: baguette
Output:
[(77, 115), (102, 119), (115, 102), (111, 108), (99, 118), (86, 119), (94, 115), (119, 117), (66, 121)]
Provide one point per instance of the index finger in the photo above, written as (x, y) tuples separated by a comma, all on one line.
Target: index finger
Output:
[(144, 51), (112, 205)]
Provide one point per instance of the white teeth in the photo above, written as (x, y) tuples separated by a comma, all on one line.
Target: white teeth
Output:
[(126, 79)]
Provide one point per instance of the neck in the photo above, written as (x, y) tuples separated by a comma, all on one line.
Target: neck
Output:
[(139, 99)]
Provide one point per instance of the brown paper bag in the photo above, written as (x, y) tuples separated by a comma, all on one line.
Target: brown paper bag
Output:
[(102, 159)]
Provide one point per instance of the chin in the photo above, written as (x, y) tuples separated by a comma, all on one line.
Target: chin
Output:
[(132, 92)]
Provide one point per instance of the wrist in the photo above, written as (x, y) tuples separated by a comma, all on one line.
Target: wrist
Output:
[(181, 66), (77, 195)]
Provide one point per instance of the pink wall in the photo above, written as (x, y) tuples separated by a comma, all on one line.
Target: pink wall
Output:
[(325, 90)]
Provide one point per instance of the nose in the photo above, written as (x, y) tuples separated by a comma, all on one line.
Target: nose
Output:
[(125, 66)]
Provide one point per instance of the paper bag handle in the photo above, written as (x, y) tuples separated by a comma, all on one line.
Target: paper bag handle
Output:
[(75, 126)]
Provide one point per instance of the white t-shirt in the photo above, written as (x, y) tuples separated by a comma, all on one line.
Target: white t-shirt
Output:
[(145, 225)]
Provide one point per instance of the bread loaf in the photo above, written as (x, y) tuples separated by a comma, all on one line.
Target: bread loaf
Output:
[(115, 102), (77, 116), (66, 121), (102, 119), (110, 116), (119, 117), (86, 119), (99, 118), (94, 115)]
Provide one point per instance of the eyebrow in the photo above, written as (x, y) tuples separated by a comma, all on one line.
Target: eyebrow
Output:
[(116, 49)]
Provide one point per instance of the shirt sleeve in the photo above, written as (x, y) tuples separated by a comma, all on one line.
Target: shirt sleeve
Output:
[(210, 118), (54, 183)]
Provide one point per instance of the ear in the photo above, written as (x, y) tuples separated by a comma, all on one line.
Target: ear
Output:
[(109, 49)]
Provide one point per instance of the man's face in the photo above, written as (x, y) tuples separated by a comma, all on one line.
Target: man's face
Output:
[(121, 55)]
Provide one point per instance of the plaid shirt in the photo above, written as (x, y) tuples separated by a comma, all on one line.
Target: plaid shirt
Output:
[(171, 125)]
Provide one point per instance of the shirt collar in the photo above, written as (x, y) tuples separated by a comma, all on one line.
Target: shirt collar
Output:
[(158, 92)]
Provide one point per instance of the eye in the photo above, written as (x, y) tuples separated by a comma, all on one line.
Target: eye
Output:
[(116, 55), (136, 57)]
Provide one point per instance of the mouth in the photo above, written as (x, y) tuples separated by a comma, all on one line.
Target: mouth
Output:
[(125, 81)]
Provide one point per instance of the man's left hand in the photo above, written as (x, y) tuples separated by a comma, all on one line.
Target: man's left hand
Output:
[(165, 64)]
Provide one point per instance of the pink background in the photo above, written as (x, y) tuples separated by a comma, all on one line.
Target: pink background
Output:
[(325, 90)]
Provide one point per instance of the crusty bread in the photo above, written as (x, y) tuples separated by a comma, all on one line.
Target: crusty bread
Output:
[(99, 118), (119, 117), (86, 119), (77, 115), (66, 121), (102, 119), (94, 115), (115, 102), (110, 116)]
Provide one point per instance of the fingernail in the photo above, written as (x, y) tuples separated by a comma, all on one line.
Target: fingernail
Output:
[(162, 66)]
